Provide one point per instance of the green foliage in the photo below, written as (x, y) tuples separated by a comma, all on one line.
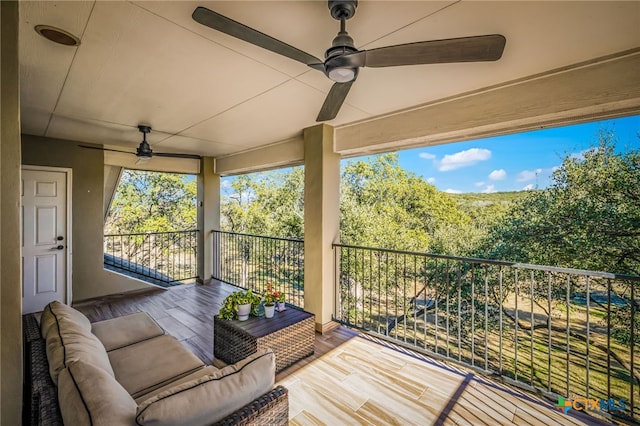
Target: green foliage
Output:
[(153, 202), (383, 205), (229, 309), (589, 218), (270, 203)]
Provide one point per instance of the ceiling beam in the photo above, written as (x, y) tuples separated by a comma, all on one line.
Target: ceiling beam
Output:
[(608, 87), (288, 153)]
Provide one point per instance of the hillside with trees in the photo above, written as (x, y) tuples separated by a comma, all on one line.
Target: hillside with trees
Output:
[(589, 218)]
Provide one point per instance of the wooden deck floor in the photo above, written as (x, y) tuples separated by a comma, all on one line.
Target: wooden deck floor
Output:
[(352, 378)]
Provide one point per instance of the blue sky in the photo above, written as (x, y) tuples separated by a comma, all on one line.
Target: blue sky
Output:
[(512, 162), (508, 163)]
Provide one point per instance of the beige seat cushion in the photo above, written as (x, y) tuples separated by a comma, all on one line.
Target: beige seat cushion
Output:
[(124, 331), (205, 371), (55, 310), (89, 396), (69, 341), (211, 398), (152, 363)]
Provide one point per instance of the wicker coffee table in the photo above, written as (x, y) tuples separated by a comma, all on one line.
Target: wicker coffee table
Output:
[(290, 334)]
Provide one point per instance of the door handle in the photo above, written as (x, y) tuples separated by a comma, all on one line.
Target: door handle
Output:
[(60, 247)]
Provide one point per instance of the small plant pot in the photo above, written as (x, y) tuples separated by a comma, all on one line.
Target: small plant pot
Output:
[(269, 310), (280, 306), (244, 311)]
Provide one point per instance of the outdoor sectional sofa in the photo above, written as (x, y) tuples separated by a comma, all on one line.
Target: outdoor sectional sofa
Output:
[(128, 371)]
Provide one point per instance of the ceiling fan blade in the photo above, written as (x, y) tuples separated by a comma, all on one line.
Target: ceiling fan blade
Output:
[(334, 101), (464, 49), (176, 155), (235, 29), (106, 149)]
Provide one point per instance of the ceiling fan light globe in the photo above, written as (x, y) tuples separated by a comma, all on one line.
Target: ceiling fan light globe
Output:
[(342, 75)]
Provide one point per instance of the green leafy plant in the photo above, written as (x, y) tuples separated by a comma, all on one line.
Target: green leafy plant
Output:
[(230, 304)]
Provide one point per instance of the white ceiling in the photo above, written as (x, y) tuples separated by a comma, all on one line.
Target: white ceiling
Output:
[(207, 93)]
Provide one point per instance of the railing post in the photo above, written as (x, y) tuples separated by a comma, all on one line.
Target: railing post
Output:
[(215, 251), (336, 280)]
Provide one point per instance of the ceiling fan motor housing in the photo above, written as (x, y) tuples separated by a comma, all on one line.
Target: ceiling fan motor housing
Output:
[(144, 150), (342, 43)]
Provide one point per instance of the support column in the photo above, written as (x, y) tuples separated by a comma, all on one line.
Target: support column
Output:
[(10, 227), (321, 222), (208, 217)]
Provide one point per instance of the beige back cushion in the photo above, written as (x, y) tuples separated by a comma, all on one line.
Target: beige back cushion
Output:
[(90, 396), (68, 341), (55, 310), (123, 331), (211, 398)]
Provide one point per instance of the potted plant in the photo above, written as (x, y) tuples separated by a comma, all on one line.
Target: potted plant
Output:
[(239, 305), (269, 301), (280, 297)]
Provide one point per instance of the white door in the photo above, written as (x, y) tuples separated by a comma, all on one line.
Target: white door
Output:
[(44, 238)]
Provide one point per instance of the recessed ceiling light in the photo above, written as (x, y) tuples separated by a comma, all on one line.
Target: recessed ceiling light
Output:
[(57, 35)]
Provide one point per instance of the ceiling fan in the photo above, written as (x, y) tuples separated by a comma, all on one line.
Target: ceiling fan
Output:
[(342, 60), (144, 152)]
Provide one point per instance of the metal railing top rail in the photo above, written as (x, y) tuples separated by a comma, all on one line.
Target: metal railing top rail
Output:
[(297, 240), (597, 274), (151, 233)]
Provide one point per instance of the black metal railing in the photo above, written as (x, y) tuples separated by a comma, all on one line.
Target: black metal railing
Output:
[(253, 261), (163, 257), (564, 332)]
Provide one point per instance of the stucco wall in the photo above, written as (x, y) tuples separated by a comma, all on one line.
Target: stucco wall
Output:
[(89, 277), (10, 259)]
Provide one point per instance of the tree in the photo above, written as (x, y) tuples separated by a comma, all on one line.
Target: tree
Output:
[(270, 203), (589, 218), (153, 202), (383, 205), (150, 205)]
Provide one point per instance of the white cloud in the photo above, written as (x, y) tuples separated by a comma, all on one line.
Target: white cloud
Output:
[(489, 189), (479, 184), (452, 191), (528, 187), (427, 156), (431, 180), (463, 159), (580, 155), (527, 175), (498, 174)]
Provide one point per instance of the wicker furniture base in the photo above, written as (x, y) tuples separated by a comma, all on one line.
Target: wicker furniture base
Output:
[(290, 334), (40, 404)]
